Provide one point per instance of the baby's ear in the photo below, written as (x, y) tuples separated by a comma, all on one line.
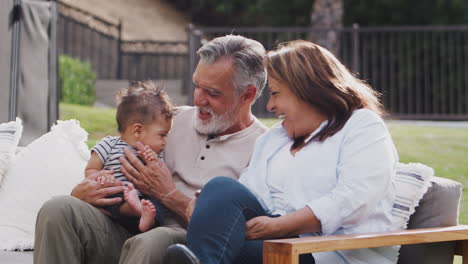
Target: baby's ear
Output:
[(137, 129)]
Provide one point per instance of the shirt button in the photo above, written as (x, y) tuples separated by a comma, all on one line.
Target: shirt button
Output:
[(202, 158), (207, 146)]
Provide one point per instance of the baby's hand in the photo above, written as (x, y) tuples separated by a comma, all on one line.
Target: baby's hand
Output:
[(105, 179), (148, 154)]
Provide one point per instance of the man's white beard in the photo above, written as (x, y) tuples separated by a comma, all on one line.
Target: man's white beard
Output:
[(217, 124)]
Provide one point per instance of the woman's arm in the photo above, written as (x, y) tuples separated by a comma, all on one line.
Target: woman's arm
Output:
[(365, 169), (295, 223)]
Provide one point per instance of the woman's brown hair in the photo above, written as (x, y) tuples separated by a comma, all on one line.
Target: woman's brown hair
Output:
[(316, 76)]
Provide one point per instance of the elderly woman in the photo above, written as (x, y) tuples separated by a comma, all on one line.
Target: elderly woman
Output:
[(326, 169)]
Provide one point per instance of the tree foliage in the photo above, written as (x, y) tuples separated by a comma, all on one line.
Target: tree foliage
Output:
[(76, 81), (404, 12), (297, 12), (247, 12)]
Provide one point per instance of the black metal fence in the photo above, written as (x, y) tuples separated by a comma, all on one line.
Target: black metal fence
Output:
[(422, 72), (99, 41)]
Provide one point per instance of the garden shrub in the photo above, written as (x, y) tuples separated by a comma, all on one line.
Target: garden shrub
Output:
[(76, 81)]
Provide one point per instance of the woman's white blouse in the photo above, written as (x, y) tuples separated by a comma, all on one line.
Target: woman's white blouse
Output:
[(347, 182), (278, 167)]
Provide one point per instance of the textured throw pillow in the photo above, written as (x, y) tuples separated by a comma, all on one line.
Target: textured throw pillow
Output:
[(411, 182), (51, 165), (439, 207), (10, 134)]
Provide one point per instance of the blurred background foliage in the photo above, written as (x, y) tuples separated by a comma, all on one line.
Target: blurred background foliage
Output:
[(297, 12), (76, 81), (404, 12)]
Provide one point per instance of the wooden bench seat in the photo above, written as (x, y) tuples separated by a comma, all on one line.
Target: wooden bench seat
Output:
[(287, 251)]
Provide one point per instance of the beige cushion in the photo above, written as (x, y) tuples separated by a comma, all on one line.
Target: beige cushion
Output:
[(439, 207)]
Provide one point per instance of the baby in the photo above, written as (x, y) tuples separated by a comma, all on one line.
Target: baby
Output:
[(144, 114)]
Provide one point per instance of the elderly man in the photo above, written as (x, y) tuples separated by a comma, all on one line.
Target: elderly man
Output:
[(214, 138)]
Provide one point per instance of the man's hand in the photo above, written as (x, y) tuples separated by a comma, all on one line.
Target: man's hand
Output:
[(153, 179), (262, 227), (95, 193), (191, 207)]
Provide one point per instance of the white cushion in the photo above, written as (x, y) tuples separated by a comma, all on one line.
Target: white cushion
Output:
[(10, 134), (51, 165), (411, 182)]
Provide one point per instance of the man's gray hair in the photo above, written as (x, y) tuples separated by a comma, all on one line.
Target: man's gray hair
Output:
[(247, 55)]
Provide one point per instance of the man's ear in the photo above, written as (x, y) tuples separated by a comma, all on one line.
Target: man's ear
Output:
[(249, 94), (137, 129)]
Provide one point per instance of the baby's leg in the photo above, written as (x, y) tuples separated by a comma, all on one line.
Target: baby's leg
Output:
[(132, 205), (147, 216)]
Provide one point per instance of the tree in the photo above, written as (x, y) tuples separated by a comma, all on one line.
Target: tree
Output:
[(236, 13), (325, 15), (404, 12), (249, 13)]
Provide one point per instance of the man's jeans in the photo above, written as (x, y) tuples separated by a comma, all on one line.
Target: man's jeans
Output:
[(216, 233)]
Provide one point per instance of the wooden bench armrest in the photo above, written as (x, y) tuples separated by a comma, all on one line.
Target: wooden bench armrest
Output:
[(288, 250)]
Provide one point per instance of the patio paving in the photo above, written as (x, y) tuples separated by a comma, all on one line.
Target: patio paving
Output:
[(16, 257)]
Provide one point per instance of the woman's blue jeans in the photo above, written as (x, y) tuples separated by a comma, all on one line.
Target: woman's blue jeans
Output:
[(216, 233)]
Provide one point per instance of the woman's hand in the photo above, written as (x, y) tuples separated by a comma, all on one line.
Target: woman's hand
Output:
[(292, 224), (262, 227), (153, 179), (91, 191)]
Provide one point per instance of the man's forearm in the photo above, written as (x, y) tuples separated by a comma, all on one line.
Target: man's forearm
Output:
[(177, 202), (79, 191)]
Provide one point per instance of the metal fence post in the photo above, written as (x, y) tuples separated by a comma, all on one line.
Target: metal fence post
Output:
[(15, 59), (119, 51), (355, 48), (194, 43)]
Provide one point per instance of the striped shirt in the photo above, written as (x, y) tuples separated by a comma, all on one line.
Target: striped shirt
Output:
[(109, 150)]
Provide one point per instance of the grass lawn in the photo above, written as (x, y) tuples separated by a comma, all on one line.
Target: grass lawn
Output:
[(98, 122), (443, 149)]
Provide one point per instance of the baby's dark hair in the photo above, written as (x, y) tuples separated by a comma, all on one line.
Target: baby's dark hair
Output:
[(142, 102)]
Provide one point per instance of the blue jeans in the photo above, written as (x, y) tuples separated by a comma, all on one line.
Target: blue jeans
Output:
[(216, 233)]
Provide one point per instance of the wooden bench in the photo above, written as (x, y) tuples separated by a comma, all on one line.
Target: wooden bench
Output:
[(287, 251)]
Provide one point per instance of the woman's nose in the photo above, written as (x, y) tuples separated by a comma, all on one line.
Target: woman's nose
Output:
[(270, 105)]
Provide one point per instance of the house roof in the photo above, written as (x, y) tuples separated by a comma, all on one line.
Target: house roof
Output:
[(141, 19)]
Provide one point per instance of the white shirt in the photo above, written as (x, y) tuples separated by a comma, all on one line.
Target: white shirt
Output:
[(278, 170), (347, 182)]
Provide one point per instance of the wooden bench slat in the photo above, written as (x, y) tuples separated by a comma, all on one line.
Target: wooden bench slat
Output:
[(331, 243)]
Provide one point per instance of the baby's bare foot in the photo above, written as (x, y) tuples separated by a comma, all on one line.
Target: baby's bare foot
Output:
[(131, 197), (147, 216)]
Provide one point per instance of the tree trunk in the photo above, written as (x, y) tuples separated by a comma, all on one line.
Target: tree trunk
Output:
[(327, 18)]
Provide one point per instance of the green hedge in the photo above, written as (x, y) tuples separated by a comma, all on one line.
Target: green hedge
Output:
[(76, 81)]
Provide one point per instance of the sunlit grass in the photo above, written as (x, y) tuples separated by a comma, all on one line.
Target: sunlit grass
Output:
[(98, 122)]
